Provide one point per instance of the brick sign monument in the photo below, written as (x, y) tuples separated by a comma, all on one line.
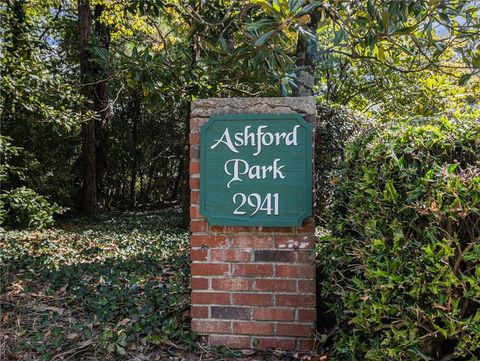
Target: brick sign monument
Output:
[(252, 226)]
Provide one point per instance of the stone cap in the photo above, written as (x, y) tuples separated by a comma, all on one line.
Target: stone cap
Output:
[(281, 105)]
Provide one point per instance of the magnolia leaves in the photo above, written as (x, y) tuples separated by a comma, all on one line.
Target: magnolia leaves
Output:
[(390, 32)]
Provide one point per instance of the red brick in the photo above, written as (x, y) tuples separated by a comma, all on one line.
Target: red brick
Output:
[(253, 328), (250, 241), (252, 269), (305, 344), (295, 300), (217, 229), (274, 255), (277, 230), (306, 315), (232, 284), (199, 312), (194, 138), (252, 299), (194, 183), (194, 168), (198, 226), (204, 326), (230, 255), (194, 212), (194, 151), (292, 329), (230, 341), (206, 298), (198, 254), (285, 344), (210, 269), (197, 240), (291, 241), (231, 313), (273, 314), (199, 283), (276, 285), (194, 197), (307, 286), (295, 271), (241, 229), (307, 256)]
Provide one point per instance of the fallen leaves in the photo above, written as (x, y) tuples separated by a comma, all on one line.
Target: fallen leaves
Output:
[(43, 308)]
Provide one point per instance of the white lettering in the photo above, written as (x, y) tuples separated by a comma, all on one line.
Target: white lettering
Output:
[(259, 138), (255, 201), (279, 136), (239, 167), (238, 139), (292, 136), (276, 170), (227, 141), (235, 171), (265, 142)]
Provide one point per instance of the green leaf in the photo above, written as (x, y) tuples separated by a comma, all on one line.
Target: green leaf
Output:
[(370, 9), (385, 18), (339, 36), (444, 17), (464, 79), (294, 5), (405, 30), (451, 168), (261, 40), (257, 25), (381, 54), (223, 44), (390, 193), (120, 350)]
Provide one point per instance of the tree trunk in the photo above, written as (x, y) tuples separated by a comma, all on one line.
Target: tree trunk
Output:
[(95, 105), (136, 109), (306, 54), (185, 160), (89, 197), (101, 106), (178, 180)]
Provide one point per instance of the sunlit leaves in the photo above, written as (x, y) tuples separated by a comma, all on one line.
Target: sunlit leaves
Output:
[(417, 30), (404, 265)]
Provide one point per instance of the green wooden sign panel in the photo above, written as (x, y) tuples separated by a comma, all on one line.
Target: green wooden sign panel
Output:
[(256, 170)]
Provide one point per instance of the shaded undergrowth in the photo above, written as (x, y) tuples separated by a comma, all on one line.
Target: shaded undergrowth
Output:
[(114, 285)]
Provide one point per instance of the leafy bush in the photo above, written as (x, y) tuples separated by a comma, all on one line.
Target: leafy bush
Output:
[(336, 126), (7, 153), (21, 206), (26, 208), (403, 262)]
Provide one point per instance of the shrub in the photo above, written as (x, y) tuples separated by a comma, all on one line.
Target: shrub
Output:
[(403, 261), (21, 206), (26, 208), (336, 126)]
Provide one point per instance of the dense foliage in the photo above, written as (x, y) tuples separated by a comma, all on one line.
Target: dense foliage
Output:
[(336, 127), (403, 262), (22, 206), (95, 100), (97, 288), (97, 92)]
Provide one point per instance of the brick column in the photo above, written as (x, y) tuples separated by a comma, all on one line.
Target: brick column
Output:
[(252, 287)]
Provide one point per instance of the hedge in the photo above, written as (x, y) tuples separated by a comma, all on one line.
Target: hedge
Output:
[(403, 261)]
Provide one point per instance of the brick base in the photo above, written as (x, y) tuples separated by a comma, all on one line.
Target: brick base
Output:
[(252, 287)]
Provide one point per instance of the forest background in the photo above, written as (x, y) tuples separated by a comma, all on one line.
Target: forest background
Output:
[(95, 95)]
